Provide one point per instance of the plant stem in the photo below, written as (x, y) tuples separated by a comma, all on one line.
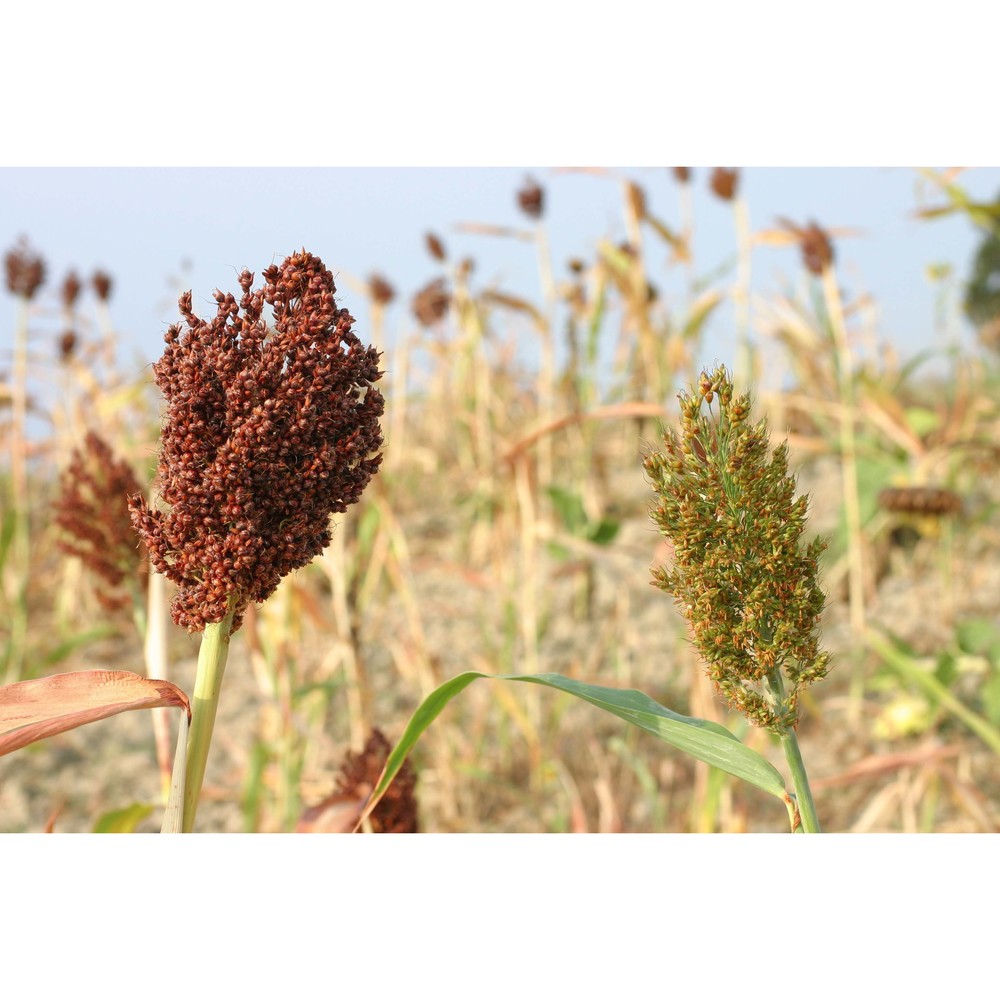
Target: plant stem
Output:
[(803, 794), (208, 683)]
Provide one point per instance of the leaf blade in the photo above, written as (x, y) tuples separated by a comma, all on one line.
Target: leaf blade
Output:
[(35, 709), (702, 739)]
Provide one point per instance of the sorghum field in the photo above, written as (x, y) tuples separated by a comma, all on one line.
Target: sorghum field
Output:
[(506, 530)]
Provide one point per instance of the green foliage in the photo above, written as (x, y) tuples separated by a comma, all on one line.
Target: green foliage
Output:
[(124, 820)]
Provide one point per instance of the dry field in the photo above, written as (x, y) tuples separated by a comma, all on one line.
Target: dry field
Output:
[(508, 531)]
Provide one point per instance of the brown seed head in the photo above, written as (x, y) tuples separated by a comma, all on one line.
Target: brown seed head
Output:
[(268, 432), (435, 247), (397, 811), (67, 345), (817, 250), (682, 174), (430, 304), (724, 183), (93, 514), (25, 270), (102, 285), (380, 290), (70, 290), (928, 501), (531, 199)]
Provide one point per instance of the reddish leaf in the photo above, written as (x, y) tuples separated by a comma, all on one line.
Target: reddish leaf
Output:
[(32, 710)]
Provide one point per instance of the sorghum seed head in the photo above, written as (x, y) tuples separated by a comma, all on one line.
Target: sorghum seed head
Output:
[(70, 290), (817, 250), (102, 285), (25, 270), (739, 574), (397, 811), (430, 304), (928, 501), (531, 199), (268, 432), (380, 290), (67, 345), (435, 247), (682, 174), (92, 512), (724, 183)]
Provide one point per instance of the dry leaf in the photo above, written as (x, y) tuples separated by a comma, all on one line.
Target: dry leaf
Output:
[(33, 710)]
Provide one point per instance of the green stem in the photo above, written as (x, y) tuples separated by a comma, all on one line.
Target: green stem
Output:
[(803, 795), (208, 683)]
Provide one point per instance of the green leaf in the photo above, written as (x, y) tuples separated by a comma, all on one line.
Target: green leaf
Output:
[(569, 508), (704, 740), (604, 532), (921, 420), (123, 820), (977, 636), (990, 695), (894, 657), (946, 670)]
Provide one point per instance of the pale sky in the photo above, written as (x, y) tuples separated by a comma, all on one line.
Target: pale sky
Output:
[(200, 226)]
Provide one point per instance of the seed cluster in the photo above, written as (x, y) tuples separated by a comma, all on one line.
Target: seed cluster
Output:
[(25, 270), (397, 810), (93, 514), (268, 431), (740, 577)]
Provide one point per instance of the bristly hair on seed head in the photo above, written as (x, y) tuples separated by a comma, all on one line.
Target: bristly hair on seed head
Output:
[(268, 432)]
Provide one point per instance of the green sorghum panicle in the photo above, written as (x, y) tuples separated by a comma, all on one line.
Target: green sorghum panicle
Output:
[(739, 574)]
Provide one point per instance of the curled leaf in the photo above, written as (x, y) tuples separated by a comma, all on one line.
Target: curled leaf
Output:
[(33, 710)]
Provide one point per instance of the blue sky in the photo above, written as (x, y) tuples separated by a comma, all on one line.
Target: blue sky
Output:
[(147, 226)]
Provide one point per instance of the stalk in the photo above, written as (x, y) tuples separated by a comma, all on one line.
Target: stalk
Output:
[(20, 549), (208, 684), (803, 794)]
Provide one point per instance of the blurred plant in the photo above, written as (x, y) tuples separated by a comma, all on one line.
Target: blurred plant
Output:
[(339, 812), (93, 512), (430, 304), (267, 433), (25, 274)]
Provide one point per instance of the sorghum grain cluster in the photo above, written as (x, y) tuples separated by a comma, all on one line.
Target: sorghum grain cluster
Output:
[(739, 574), (268, 431)]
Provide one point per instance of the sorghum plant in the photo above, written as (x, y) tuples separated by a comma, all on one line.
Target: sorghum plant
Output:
[(268, 431), (740, 575), (93, 514)]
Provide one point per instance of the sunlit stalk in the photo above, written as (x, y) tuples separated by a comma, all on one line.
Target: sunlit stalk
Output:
[(207, 686)]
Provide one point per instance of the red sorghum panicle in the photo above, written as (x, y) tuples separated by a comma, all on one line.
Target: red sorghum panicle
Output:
[(25, 270), (102, 285), (67, 343), (531, 199), (817, 250), (739, 575), (397, 810), (380, 290), (93, 513), (682, 174), (430, 304), (724, 183), (268, 432), (435, 247), (70, 290)]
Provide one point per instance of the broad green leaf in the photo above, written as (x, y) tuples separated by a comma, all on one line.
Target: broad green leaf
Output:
[(707, 741), (123, 820)]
